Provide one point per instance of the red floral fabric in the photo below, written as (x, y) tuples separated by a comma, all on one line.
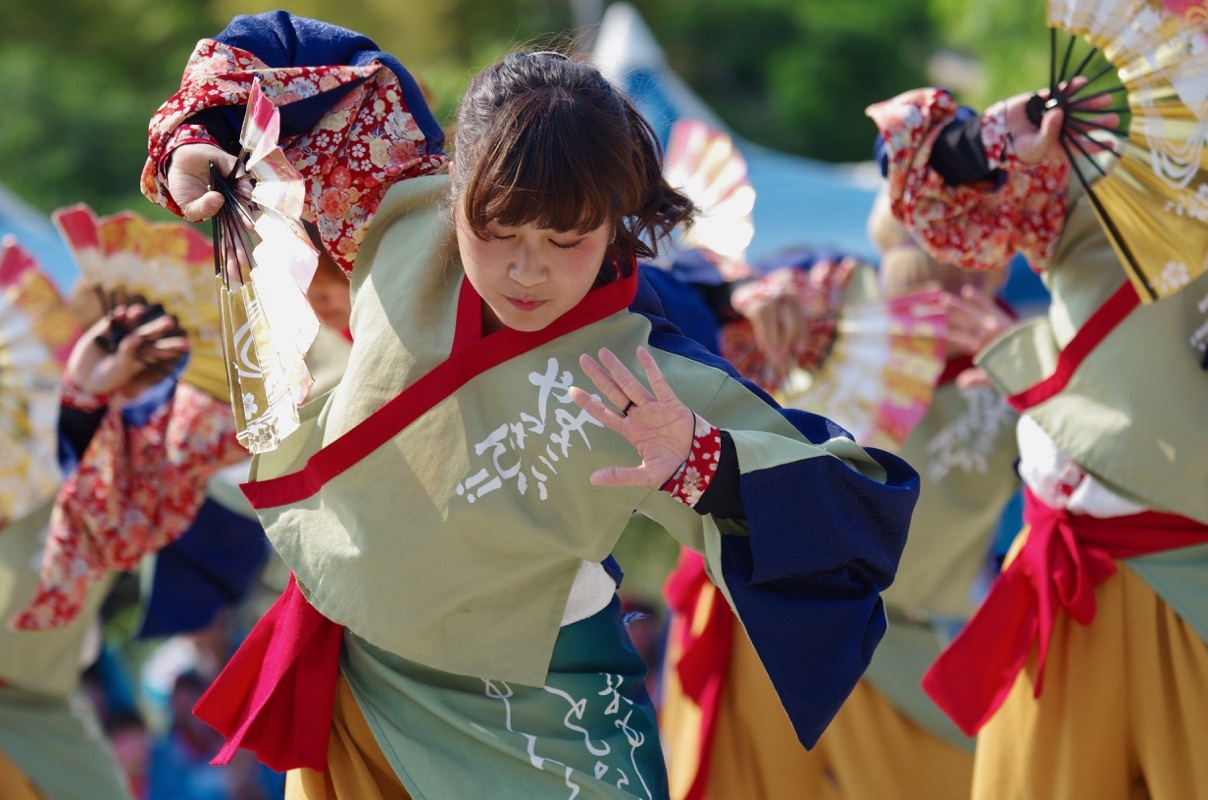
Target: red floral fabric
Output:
[(969, 226), (136, 489), (696, 473), (365, 142), (73, 396)]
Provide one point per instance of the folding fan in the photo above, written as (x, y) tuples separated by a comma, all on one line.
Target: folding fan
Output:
[(881, 373), (870, 366), (704, 164), (127, 258), (37, 331), (263, 263), (1152, 196)]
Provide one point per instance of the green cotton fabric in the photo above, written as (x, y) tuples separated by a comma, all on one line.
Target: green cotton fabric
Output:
[(589, 733), (44, 662), (58, 743), (1132, 414), (1179, 577), (965, 450), (907, 650), (454, 544)]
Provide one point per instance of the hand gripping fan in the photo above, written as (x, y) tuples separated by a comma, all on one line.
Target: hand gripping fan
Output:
[(37, 331), (263, 264), (127, 258), (1151, 193)]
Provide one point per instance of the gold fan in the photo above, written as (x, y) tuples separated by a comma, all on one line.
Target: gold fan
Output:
[(263, 263), (126, 257), (37, 331), (1152, 199)]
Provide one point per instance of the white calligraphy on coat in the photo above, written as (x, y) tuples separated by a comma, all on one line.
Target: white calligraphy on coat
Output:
[(609, 764), (514, 457), (967, 442)]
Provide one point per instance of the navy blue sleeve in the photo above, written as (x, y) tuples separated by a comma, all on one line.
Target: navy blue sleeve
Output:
[(281, 39), (824, 543), (212, 566), (690, 307)]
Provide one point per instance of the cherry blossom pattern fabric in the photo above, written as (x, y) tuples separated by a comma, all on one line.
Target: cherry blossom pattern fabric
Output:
[(965, 225), (136, 489), (361, 146), (696, 473)]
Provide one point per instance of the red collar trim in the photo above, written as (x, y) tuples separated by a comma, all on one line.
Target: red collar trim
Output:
[(471, 356), (1088, 337)]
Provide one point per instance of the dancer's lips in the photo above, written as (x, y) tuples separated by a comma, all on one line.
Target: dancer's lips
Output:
[(525, 305)]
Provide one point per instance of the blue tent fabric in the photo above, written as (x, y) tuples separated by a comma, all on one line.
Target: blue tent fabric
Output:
[(34, 231)]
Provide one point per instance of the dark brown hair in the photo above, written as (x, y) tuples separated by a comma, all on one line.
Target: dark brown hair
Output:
[(547, 140)]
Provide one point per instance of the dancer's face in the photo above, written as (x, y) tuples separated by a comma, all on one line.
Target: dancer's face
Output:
[(530, 276)]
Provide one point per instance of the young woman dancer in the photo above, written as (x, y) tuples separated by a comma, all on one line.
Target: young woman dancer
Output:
[(449, 508)]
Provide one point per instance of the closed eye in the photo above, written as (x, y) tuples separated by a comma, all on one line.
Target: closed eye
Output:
[(562, 246)]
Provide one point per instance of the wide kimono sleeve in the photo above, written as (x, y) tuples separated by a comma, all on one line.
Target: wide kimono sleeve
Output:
[(972, 226), (353, 120), (825, 525), (138, 481)]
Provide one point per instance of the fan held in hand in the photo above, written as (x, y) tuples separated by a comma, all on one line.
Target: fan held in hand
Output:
[(263, 264), (1145, 176)]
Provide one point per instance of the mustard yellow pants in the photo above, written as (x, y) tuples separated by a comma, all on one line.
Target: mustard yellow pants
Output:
[(869, 752), (13, 783), (1123, 714), (356, 766)]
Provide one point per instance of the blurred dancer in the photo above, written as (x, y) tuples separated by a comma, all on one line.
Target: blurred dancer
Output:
[(1086, 668)]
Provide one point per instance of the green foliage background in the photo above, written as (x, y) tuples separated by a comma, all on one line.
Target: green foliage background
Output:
[(80, 78)]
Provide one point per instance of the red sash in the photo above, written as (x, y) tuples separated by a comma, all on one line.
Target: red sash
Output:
[(1064, 557), (275, 696), (704, 655)]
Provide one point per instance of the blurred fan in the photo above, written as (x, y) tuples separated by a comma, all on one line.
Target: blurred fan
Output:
[(870, 366), (125, 258), (37, 331), (881, 373), (263, 263), (704, 164), (1151, 192)]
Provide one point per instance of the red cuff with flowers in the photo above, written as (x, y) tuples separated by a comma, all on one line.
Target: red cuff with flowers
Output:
[(696, 473), (74, 397), (185, 134)]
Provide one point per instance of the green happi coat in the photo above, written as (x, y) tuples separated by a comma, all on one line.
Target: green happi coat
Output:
[(965, 450), (437, 505)]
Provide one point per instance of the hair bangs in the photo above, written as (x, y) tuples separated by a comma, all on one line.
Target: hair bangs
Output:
[(543, 167)]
